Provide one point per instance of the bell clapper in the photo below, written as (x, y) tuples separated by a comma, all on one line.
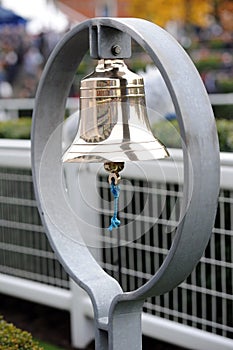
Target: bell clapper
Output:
[(114, 178)]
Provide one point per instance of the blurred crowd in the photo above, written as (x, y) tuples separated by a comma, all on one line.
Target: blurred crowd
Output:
[(211, 50), (22, 57)]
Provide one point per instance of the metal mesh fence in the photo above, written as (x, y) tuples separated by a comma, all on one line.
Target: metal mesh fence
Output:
[(204, 300), (24, 248)]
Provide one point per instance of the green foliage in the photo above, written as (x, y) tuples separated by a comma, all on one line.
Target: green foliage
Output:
[(225, 134), (168, 133), (208, 64), (138, 65), (223, 111), (47, 346), (225, 86), (12, 338), (15, 128), (216, 44)]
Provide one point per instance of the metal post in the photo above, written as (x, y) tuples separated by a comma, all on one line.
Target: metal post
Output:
[(118, 314), (122, 330)]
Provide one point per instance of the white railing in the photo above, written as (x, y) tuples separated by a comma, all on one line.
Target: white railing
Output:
[(45, 282), (221, 99), (11, 107)]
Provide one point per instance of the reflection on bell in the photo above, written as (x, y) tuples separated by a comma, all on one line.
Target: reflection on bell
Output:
[(113, 124)]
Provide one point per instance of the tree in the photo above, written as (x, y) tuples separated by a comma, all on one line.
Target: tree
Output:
[(224, 13), (184, 11)]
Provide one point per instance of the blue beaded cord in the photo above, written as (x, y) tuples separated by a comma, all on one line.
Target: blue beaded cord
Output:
[(115, 189)]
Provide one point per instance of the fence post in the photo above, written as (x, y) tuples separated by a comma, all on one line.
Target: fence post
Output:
[(82, 327)]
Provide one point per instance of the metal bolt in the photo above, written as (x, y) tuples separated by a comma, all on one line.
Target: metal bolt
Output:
[(116, 50)]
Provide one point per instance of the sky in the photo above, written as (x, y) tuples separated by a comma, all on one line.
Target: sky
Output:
[(39, 12)]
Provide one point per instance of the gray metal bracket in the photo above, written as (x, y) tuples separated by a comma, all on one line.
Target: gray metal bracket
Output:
[(108, 42), (117, 314)]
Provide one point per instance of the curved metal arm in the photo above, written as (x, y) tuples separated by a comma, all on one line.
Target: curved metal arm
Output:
[(201, 166)]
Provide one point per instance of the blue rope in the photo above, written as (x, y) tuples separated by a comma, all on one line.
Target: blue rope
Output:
[(115, 189)]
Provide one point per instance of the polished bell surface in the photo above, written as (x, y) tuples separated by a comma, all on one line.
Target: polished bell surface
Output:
[(113, 124)]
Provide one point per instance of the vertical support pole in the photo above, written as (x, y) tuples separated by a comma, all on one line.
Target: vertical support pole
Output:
[(123, 329), (101, 339)]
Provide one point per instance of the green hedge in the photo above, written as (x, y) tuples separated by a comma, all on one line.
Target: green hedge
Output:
[(225, 86), (209, 63), (168, 133), (223, 111), (225, 135), (16, 128), (12, 338)]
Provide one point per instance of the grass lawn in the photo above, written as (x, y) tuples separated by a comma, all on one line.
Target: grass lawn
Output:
[(47, 346)]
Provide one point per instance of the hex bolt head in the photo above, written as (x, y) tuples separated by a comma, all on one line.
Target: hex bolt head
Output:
[(116, 50)]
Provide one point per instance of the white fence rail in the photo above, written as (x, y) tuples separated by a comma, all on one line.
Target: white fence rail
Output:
[(11, 108), (196, 315)]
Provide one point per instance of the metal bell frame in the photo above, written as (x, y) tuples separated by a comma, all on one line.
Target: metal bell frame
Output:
[(118, 314)]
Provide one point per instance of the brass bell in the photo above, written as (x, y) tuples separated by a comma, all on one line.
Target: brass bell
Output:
[(113, 124)]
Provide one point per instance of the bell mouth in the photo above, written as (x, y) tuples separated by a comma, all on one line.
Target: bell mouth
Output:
[(122, 151), (129, 155)]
